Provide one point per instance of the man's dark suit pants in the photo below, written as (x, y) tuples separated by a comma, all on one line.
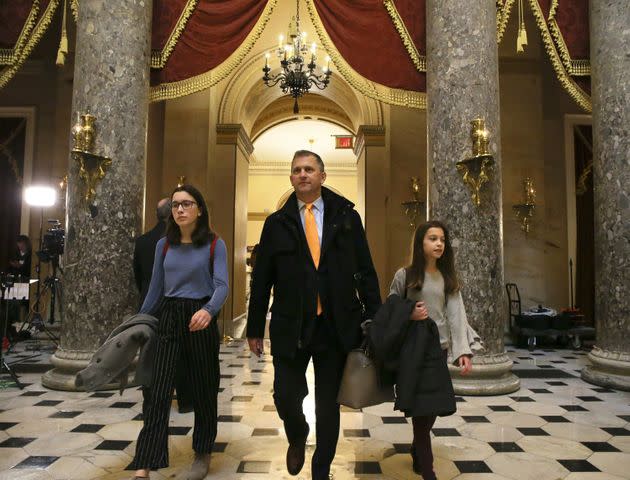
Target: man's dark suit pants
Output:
[(290, 389)]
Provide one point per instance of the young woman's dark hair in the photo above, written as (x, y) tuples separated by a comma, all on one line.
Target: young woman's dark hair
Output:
[(445, 264), (202, 233)]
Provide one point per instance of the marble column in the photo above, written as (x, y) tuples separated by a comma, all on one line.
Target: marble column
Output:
[(610, 70), (462, 84), (111, 81), (373, 169), (228, 179)]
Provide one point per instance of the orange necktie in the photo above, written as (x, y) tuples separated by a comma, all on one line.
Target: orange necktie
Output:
[(312, 238)]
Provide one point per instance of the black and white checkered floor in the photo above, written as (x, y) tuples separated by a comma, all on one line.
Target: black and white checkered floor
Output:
[(555, 427)]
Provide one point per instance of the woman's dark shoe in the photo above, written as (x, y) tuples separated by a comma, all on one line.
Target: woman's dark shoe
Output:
[(199, 468)]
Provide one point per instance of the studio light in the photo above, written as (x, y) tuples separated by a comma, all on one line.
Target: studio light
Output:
[(40, 196)]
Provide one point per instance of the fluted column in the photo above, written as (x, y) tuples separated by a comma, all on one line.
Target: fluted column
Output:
[(111, 81), (462, 84), (610, 70)]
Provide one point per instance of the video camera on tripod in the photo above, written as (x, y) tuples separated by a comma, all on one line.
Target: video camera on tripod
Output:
[(51, 247), (53, 243)]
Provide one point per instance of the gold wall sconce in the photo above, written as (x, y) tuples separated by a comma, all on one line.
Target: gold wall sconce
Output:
[(92, 167), (525, 211), (476, 170), (181, 181), (414, 208)]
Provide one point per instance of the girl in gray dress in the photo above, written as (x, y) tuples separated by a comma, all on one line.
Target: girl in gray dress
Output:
[(432, 282)]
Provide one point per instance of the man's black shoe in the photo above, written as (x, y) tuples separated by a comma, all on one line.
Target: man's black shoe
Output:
[(417, 468), (295, 456)]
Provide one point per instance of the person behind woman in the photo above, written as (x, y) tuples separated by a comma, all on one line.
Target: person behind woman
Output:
[(431, 281), (185, 294)]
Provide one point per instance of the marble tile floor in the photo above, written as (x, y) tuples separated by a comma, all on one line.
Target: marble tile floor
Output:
[(555, 427)]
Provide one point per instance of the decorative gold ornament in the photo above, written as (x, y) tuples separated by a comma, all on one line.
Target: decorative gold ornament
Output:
[(582, 185), (414, 208), (525, 211), (181, 181), (92, 167), (63, 184), (476, 169)]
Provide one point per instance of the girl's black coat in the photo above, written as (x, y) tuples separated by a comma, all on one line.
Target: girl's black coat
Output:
[(410, 351)]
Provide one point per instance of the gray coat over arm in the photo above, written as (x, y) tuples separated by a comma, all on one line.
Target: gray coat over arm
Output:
[(113, 360)]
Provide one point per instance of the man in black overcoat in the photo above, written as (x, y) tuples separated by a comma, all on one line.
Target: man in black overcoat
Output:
[(314, 253)]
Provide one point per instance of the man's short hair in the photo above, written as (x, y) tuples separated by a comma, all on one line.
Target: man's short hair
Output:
[(308, 153), (163, 209)]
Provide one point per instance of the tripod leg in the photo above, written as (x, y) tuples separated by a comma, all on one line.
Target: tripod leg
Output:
[(14, 376)]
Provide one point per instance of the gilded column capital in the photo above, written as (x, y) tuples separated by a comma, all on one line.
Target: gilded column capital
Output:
[(369, 136), (234, 134)]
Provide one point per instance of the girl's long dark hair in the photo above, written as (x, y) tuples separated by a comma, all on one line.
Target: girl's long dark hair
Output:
[(203, 232), (445, 264)]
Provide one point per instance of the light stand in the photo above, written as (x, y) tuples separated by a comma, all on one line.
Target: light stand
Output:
[(36, 311)]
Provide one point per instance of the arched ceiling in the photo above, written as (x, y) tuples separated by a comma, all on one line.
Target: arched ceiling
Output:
[(312, 106)]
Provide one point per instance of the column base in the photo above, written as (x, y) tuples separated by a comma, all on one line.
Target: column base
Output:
[(609, 369), (66, 365), (491, 375)]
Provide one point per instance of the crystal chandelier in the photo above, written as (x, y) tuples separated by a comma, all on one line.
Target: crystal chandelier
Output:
[(297, 77)]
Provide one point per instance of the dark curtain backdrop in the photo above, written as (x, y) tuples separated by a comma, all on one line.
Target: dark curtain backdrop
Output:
[(584, 262), (11, 159)]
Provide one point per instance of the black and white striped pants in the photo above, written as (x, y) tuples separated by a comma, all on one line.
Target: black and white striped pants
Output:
[(199, 352)]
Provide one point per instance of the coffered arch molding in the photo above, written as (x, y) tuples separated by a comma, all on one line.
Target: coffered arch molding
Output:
[(246, 99)]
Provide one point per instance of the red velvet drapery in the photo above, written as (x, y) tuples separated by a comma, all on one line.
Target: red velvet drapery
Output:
[(193, 37), (13, 16), (367, 39), (213, 32), (166, 13), (22, 25), (572, 19), (568, 24)]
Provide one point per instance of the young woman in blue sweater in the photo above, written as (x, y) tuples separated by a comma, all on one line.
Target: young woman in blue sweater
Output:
[(188, 287)]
